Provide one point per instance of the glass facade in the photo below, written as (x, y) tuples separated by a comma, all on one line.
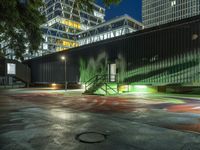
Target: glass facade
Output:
[(109, 29), (156, 12), (64, 22), (72, 28)]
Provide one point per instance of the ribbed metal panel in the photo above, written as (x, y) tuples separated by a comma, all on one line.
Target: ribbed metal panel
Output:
[(168, 54)]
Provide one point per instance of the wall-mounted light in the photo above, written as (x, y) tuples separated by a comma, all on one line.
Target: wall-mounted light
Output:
[(53, 85), (140, 86)]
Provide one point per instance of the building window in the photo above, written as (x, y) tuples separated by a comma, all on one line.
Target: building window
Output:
[(173, 3), (11, 69)]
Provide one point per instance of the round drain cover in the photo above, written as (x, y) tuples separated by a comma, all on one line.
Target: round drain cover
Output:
[(91, 137)]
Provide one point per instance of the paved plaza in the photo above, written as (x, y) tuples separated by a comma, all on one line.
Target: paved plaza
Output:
[(44, 119)]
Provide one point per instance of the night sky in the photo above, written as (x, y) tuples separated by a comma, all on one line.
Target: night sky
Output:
[(130, 7)]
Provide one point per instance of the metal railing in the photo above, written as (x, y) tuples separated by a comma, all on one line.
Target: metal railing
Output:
[(98, 81)]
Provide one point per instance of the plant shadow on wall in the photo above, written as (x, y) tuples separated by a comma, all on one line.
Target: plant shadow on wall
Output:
[(121, 64), (99, 66), (93, 66)]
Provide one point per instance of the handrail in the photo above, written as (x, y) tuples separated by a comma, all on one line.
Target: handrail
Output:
[(90, 79), (93, 80), (99, 80), (86, 83), (111, 88)]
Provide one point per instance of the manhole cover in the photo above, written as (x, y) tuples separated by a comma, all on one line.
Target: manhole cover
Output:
[(91, 137), (191, 146)]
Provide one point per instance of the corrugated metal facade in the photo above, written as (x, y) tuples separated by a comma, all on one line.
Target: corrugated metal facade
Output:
[(168, 54)]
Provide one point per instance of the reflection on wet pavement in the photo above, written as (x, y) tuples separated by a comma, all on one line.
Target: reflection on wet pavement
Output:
[(45, 120)]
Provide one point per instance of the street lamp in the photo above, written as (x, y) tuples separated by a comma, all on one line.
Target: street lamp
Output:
[(63, 58)]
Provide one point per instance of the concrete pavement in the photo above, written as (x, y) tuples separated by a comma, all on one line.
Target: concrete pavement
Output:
[(44, 119)]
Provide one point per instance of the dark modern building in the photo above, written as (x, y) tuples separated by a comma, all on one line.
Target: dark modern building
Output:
[(157, 12), (165, 55)]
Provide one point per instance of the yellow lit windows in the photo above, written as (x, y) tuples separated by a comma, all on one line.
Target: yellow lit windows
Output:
[(67, 43), (61, 49), (70, 44), (71, 23)]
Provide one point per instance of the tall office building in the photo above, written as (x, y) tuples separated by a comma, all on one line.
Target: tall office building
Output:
[(156, 12), (67, 27), (64, 22)]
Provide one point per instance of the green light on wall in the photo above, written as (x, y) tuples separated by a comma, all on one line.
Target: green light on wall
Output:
[(124, 88), (102, 89), (142, 89)]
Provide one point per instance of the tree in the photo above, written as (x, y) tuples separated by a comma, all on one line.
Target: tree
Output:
[(20, 22)]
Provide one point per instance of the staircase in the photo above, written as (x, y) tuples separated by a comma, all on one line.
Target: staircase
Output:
[(100, 82)]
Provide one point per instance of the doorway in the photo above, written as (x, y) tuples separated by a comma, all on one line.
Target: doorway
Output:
[(112, 71)]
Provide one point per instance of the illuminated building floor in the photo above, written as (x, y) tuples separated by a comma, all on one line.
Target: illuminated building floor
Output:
[(51, 119)]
